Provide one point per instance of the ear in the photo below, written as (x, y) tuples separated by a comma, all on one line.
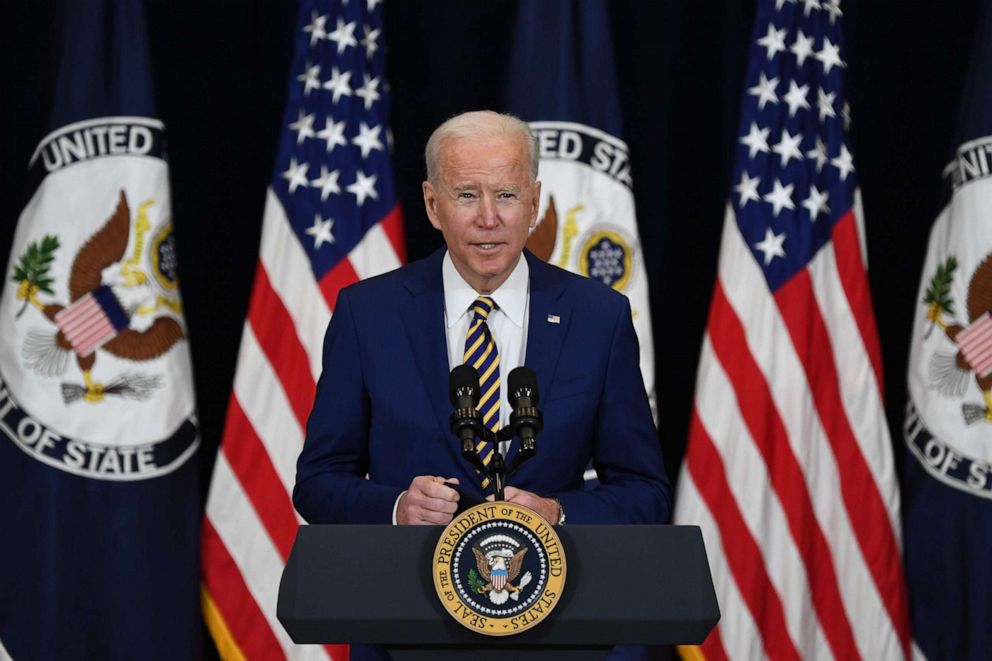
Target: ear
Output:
[(535, 203), (430, 204)]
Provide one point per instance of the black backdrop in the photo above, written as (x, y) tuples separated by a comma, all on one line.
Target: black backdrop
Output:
[(220, 73)]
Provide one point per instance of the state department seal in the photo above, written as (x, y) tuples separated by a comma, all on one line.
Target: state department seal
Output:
[(95, 374), (499, 568)]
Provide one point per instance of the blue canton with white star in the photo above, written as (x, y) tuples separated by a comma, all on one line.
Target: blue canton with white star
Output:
[(333, 173), (793, 175)]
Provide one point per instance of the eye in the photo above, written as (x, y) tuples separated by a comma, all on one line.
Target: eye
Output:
[(466, 195)]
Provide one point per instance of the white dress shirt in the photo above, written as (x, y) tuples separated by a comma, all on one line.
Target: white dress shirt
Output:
[(507, 323)]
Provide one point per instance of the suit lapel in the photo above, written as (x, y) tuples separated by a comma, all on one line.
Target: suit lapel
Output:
[(546, 327), (423, 321)]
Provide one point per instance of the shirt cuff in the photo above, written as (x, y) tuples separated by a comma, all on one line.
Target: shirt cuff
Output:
[(396, 506)]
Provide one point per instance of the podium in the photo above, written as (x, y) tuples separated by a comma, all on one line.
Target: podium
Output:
[(372, 585)]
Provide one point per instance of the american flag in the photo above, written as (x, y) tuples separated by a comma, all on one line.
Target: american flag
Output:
[(331, 218), (789, 469)]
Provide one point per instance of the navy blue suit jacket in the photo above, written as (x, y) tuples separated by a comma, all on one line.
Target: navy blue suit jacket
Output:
[(382, 406)]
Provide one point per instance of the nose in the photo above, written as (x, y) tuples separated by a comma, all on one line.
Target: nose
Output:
[(488, 213)]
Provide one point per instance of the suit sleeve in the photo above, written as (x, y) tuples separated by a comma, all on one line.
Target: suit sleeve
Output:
[(633, 486), (330, 474)]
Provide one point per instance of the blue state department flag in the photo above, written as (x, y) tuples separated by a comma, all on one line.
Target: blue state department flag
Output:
[(98, 436), (563, 83), (947, 488)]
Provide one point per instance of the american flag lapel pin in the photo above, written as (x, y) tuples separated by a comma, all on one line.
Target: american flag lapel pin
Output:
[(554, 319)]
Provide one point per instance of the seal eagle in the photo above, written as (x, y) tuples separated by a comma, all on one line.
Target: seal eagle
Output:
[(499, 572), (48, 354)]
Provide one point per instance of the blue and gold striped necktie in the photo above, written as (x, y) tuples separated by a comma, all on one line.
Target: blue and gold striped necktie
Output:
[(481, 353)]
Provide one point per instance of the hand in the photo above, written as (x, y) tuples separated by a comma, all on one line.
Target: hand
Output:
[(428, 501), (546, 507)]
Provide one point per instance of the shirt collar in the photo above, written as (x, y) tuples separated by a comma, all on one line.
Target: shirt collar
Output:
[(510, 297)]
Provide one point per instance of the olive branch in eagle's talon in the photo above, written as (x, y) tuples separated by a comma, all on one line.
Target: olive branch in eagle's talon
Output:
[(31, 272)]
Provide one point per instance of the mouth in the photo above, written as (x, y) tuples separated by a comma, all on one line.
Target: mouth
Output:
[(486, 247)]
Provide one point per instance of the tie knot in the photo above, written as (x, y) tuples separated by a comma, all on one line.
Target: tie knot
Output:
[(482, 307)]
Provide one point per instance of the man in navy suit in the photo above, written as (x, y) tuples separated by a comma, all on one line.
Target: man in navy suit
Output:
[(379, 447)]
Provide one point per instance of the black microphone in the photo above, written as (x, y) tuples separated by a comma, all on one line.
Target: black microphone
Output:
[(525, 419), (466, 421)]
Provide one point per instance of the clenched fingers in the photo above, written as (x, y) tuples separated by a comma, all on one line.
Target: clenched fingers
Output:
[(428, 501)]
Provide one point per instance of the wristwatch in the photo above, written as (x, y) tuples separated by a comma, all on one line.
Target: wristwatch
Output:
[(561, 513)]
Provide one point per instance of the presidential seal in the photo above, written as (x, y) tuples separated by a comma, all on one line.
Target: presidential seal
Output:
[(499, 568)]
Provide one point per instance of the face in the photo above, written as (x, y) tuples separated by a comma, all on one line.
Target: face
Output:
[(484, 204)]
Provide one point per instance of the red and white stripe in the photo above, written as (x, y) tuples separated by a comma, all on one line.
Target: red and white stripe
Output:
[(85, 325), (789, 470), (250, 522), (976, 344)]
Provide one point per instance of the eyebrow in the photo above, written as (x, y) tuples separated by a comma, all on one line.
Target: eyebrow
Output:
[(461, 188)]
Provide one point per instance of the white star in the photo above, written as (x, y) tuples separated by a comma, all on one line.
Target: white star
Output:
[(844, 162), (781, 3), (296, 175), (310, 78), (338, 83), (756, 140), (748, 188), (845, 112), (816, 203), (327, 182), (343, 35), (780, 198), (303, 127), (367, 139), (825, 102), (819, 152), (773, 42), (333, 133), (829, 56), (833, 8), (802, 47), (771, 246), (320, 231), (368, 41), (796, 97), (788, 147), (810, 5), (372, 3), (317, 28), (369, 91), (364, 187), (764, 90)]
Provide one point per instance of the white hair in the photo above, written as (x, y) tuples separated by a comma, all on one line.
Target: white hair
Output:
[(480, 124)]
